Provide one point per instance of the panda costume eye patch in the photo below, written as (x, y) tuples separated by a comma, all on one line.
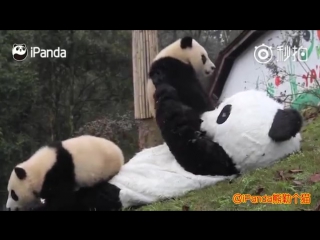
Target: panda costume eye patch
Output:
[(14, 195), (204, 59), (224, 114)]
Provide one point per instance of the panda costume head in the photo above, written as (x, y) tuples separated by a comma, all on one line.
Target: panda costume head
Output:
[(254, 130), (184, 61)]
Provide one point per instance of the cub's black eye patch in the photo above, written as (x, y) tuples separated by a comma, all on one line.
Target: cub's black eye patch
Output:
[(14, 196), (204, 59), (224, 114)]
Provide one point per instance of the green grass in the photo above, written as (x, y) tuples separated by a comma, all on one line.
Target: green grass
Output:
[(260, 182)]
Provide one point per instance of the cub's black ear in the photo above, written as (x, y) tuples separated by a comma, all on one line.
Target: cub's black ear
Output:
[(286, 124), (20, 172), (23, 45), (14, 45), (186, 42)]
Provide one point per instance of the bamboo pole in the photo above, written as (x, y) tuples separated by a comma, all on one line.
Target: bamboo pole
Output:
[(144, 50)]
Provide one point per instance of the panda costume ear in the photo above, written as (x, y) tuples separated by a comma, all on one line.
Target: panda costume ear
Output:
[(20, 172), (286, 124), (14, 45), (186, 42)]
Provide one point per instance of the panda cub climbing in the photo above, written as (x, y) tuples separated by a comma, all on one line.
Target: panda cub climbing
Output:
[(57, 170), (182, 63)]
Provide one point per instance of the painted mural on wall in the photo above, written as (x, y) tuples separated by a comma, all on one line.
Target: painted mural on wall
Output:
[(286, 64)]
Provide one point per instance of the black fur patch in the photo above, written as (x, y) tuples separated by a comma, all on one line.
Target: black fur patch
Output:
[(60, 179), (183, 78), (186, 42), (286, 124), (14, 196), (180, 128), (224, 114), (101, 197), (20, 172)]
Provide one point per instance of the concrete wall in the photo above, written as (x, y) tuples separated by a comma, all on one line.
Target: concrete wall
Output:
[(293, 81)]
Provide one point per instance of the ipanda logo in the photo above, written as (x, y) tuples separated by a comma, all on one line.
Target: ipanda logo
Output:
[(20, 52)]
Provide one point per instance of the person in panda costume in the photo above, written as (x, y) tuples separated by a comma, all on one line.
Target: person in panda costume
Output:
[(249, 128), (203, 145)]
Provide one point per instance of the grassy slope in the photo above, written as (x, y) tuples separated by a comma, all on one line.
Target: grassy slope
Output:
[(262, 181)]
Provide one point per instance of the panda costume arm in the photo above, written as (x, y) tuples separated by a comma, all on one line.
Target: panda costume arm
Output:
[(180, 128)]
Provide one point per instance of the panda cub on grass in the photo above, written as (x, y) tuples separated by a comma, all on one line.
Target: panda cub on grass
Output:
[(55, 171)]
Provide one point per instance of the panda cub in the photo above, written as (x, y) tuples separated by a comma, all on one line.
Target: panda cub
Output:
[(180, 100), (183, 62), (57, 170)]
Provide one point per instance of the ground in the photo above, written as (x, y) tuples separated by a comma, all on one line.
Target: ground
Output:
[(294, 174)]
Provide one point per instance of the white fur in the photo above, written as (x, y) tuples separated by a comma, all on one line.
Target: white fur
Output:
[(153, 174), (244, 135), (94, 158), (189, 56)]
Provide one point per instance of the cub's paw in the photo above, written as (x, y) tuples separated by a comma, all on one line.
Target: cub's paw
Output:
[(200, 134), (197, 135), (191, 141)]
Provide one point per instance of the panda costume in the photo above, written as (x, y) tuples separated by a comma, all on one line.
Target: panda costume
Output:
[(247, 131), (246, 134)]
